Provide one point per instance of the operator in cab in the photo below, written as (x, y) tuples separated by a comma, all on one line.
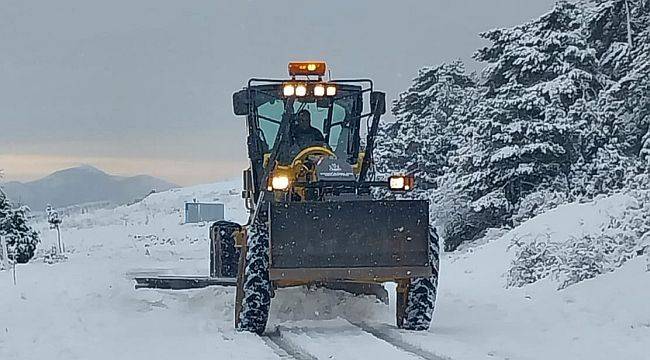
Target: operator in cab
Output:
[(306, 135)]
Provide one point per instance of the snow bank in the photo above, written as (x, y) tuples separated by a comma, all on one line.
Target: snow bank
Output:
[(87, 308), (478, 317), (575, 242)]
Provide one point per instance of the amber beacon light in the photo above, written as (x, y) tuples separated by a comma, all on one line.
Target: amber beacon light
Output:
[(306, 68)]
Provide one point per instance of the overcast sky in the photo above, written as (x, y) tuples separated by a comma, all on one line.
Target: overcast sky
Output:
[(145, 86)]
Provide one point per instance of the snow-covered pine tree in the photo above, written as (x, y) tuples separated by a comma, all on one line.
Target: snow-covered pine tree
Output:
[(616, 30), (607, 25), (431, 116), (601, 165), (528, 129), (563, 106), (5, 210), (620, 32), (21, 238), (613, 133), (637, 83), (431, 124)]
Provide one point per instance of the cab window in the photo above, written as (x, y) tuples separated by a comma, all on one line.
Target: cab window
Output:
[(339, 131)]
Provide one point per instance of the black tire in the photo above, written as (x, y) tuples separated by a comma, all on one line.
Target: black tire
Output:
[(228, 253), (422, 292), (257, 287)]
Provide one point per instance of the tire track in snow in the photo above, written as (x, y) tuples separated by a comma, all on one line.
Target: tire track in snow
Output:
[(347, 341), (384, 332), (284, 348)]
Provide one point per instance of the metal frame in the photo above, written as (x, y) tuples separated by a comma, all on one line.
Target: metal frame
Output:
[(253, 86), (181, 282)]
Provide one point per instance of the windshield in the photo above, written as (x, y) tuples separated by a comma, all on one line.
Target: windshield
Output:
[(337, 136)]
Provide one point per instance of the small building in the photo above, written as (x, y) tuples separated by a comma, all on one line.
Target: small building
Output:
[(196, 212)]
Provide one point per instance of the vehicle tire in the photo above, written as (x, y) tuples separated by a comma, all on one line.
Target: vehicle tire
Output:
[(228, 253), (256, 285), (422, 292)]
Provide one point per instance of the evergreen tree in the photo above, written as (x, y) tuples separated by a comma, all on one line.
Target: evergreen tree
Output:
[(431, 116), (620, 31), (431, 125), (21, 238), (617, 29), (562, 111), (539, 75)]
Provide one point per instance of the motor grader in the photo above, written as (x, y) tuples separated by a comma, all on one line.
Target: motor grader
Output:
[(313, 218)]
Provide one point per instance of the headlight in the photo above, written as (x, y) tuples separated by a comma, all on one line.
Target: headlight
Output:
[(288, 90), (280, 182), (319, 90), (301, 90), (401, 182), (331, 90), (396, 182)]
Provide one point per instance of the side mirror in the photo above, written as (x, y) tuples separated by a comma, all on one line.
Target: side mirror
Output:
[(378, 101), (248, 180), (240, 102)]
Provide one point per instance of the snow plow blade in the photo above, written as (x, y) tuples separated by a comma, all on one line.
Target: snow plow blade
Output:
[(181, 282), (349, 240)]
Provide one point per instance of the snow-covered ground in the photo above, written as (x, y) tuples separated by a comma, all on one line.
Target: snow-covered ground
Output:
[(87, 308)]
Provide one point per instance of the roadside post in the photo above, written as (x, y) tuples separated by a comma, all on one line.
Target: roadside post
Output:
[(3, 251), (5, 257)]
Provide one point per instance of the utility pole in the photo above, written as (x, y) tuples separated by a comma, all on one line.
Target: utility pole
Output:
[(58, 236)]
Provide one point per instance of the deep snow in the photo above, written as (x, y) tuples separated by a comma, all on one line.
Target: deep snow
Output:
[(87, 308)]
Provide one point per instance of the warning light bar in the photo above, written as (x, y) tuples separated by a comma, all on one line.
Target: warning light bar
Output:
[(305, 68)]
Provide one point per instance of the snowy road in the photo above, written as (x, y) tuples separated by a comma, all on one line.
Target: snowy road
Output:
[(87, 308), (344, 340), (81, 311)]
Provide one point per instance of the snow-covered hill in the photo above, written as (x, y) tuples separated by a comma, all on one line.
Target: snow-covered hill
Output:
[(81, 185), (87, 308)]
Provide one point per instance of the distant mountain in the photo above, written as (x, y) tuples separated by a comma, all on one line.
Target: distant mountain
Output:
[(83, 184)]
